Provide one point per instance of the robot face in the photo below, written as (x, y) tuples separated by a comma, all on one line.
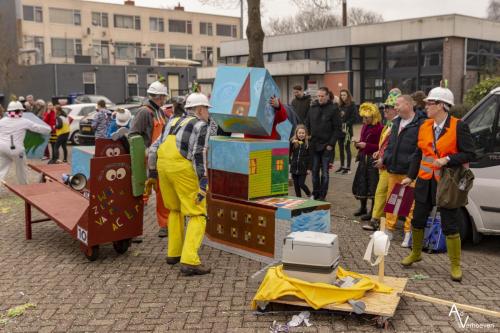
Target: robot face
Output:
[(116, 174), (108, 148)]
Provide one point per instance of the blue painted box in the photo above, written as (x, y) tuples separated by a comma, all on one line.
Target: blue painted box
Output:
[(240, 100), (80, 160)]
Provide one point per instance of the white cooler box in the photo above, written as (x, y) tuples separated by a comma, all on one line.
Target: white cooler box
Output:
[(311, 256)]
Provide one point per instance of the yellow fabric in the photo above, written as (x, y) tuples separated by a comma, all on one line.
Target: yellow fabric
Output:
[(391, 219), (179, 188), (370, 110), (276, 284), (65, 127), (380, 195), (385, 133)]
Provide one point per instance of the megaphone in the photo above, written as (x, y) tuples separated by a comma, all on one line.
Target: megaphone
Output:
[(77, 181)]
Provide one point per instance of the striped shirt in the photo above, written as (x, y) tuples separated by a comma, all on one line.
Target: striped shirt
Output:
[(191, 138)]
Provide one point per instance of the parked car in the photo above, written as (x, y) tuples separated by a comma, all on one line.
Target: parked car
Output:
[(93, 99), (136, 100), (482, 214), (87, 134), (75, 113)]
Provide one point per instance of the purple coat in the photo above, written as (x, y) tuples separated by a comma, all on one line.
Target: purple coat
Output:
[(371, 135)]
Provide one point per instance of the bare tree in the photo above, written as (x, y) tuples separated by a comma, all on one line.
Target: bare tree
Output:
[(9, 68), (254, 32), (319, 19), (494, 10)]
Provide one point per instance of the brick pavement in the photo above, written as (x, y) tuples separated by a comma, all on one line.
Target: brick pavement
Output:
[(138, 292)]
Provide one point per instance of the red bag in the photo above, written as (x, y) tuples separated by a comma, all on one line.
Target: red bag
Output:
[(400, 201)]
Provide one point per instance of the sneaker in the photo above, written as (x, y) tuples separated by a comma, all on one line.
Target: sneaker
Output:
[(173, 260), (189, 270), (340, 170), (162, 232), (406, 240), (65, 161), (366, 217), (389, 233), (371, 225), (311, 197), (45, 158), (346, 171)]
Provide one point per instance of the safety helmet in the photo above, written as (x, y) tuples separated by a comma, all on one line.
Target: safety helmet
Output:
[(440, 94), (197, 99), (157, 88), (15, 106)]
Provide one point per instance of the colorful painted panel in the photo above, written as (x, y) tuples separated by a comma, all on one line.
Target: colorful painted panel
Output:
[(228, 184), (260, 181), (35, 143), (240, 100), (279, 173)]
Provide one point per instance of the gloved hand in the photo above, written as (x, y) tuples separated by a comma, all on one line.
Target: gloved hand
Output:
[(202, 192), (148, 188)]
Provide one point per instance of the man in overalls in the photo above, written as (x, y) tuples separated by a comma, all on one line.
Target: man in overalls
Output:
[(179, 161), (149, 123)]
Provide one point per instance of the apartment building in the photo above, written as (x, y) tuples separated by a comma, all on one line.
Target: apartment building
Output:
[(76, 31)]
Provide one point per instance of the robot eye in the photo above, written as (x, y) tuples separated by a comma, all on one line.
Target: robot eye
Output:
[(109, 152), (111, 175), (116, 151), (121, 173)]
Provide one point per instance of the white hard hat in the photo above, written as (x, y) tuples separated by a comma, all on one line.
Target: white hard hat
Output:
[(122, 118), (15, 106), (197, 99), (440, 94), (157, 88)]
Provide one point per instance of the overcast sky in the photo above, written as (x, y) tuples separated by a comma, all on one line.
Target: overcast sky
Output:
[(390, 9)]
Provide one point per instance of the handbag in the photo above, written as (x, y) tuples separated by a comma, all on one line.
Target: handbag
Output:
[(453, 187)]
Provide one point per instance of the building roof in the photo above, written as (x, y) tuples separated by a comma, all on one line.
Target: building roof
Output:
[(385, 32)]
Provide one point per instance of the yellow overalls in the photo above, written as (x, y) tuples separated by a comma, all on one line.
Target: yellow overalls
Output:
[(179, 187)]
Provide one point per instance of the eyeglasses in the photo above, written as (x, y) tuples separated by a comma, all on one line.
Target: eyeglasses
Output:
[(429, 103)]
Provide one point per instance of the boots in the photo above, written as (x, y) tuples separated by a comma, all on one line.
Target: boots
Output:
[(362, 209), (416, 250), (453, 245), (368, 216), (188, 270)]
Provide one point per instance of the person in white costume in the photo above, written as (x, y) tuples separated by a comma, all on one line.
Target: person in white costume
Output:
[(13, 129)]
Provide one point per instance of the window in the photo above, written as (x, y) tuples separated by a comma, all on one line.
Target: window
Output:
[(481, 124), (64, 16), (158, 50), (66, 48), (100, 19), (156, 24), (89, 83), (336, 59), (296, 55), (253, 166), (206, 28), (482, 55), (150, 78), (127, 22), (401, 56), (317, 54), (33, 13), (180, 26), (226, 30), (208, 55), (100, 52), (127, 51), (277, 57), (37, 43), (181, 51), (280, 165), (133, 84)]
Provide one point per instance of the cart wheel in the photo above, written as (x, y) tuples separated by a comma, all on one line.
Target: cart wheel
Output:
[(121, 246), (92, 253), (383, 322)]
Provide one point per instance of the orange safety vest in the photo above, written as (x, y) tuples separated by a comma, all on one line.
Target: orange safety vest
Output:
[(158, 123), (433, 150)]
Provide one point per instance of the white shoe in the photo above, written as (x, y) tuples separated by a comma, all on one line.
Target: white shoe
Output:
[(389, 234), (406, 240)]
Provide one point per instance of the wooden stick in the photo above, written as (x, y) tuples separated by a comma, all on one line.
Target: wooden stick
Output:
[(381, 265), (450, 303)]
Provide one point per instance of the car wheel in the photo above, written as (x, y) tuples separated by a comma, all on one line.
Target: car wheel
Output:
[(75, 138), (464, 226)]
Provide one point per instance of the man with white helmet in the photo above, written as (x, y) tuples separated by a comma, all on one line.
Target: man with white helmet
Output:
[(149, 123), (13, 129), (179, 160), (443, 141)]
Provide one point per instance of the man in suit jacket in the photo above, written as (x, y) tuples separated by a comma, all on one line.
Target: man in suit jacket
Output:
[(443, 141)]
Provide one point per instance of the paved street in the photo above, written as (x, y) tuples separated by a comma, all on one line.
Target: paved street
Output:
[(139, 292)]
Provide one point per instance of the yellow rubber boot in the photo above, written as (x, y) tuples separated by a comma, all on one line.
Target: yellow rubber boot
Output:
[(454, 248), (416, 249)]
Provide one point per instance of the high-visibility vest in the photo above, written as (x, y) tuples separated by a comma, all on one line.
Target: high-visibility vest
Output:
[(65, 126), (435, 149)]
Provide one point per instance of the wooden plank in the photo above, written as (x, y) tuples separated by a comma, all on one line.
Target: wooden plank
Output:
[(439, 301), (376, 303), (53, 171)]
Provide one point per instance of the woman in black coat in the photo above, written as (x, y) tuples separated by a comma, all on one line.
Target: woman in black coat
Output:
[(348, 116)]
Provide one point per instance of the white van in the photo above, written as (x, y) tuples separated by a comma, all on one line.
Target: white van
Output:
[(482, 214)]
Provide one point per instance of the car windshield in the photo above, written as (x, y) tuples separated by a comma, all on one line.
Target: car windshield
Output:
[(97, 98)]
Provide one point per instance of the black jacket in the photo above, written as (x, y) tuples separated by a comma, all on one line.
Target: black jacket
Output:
[(324, 125), (349, 117), (300, 159), (400, 149), (301, 107), (466, 153)]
